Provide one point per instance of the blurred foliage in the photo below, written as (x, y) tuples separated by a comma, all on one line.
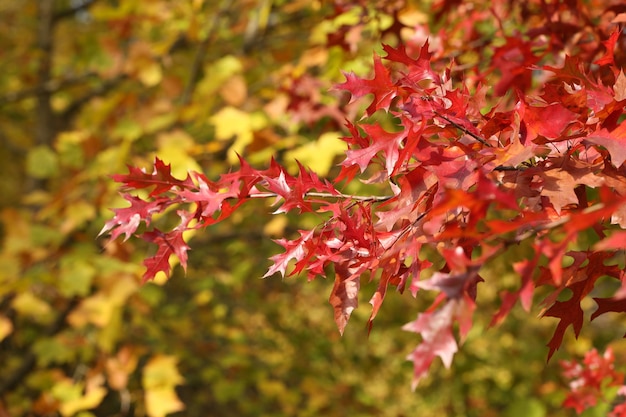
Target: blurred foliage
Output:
[(90, 85)]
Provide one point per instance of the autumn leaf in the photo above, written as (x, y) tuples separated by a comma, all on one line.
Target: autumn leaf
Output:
[(344, 297), (161, 179), (386, 142), (569, 313), (608, 57), (547, 121), (440, 177), (160, 376), (438, 340), (619, 89), (380, 86), (6, 327), (614, 142), (589, 379), (294, 250), (171, 243), (617, 240), (127, 220)]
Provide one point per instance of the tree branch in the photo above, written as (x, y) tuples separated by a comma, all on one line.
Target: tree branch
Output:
[(196, 66), (458, 126), (44, 125), (48, 87), (329, 195), (86, 4), (77, 104)]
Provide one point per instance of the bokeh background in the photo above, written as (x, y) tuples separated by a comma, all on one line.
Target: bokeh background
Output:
[(88, 86)]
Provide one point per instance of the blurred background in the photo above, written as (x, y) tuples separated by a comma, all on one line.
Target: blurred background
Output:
[(88, 86)]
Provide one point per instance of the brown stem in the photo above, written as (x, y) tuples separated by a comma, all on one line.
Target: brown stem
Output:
[(72, 11), (45, 120), (458, 126), (196, 66), (50, 87), (329, 195)]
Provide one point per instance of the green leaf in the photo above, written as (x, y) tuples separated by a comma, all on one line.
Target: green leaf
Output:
[(42, 162), (76, 276), (526, 408), (49, 351)]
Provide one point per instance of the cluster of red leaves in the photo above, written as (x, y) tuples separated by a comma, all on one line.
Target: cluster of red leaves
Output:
[(469, 179), (588, 381)]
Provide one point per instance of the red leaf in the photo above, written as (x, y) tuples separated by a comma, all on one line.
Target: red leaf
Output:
[(344, 296), (294, 249), (588, 380), (580, 279), (380, 86), (171, 243), (608, 57), (614, 142), (209, 196), (161, 179), (387, 142), (514, 60), (126, 220), (379, 296), (570, 313), (437, 340), (606, 305), (616, 241), (548, 121), (525, 269), (573, 71), (452, 285), (419, 69)]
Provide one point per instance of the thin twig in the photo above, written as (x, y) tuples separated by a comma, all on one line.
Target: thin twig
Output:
[(555, 223), (86, 4), (49, 87), (458, 126), (76, 105), (329, 195), (196, 66), (509, 168), (45, 122)]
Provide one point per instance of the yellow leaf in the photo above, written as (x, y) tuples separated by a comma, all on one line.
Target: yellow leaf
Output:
[(17, 231), (74, 397), (230, 122), (77, 214), (151, 74), (160, 375), (217, 73), (76, 276), (276, 226), (233, 123), (6, 327), (162, 401), (174, 148), (319, 155), (314, 57), (97, 309), (161, 371), (124, 286), (27, 304)]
